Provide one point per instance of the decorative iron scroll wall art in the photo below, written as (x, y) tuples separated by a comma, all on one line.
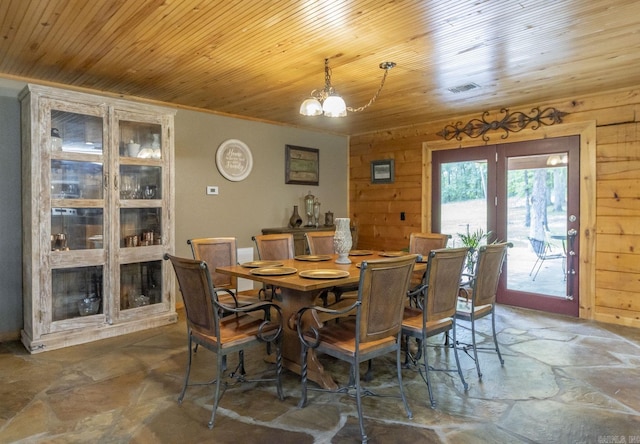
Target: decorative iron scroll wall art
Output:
[(511, 122)]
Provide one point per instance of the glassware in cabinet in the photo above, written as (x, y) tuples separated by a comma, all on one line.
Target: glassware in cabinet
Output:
[(76, 292), (140, 182), (140, 284), (140, 139)]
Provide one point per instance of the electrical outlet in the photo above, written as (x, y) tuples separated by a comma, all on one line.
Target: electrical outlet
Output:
[(212, 190)]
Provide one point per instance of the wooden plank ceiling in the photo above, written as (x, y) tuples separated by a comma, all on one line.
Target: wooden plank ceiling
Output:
[(260, 59)]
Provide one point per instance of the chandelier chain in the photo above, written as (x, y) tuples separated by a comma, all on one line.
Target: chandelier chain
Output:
[(373, 99)]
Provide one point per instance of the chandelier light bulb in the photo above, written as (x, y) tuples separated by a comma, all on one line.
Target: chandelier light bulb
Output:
[(334, 106), (311, 107)]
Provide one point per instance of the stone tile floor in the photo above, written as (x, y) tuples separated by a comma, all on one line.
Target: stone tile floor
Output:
[(564, 381)]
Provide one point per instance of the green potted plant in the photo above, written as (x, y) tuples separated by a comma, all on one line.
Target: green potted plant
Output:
[(472, 240)]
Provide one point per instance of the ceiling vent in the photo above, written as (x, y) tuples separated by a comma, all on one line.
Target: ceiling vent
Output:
[(464, 88)]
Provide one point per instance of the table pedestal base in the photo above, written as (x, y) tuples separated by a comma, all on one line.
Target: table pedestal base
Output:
[(292, 301)]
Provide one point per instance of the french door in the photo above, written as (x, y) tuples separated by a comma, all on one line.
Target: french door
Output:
[(526, 193)]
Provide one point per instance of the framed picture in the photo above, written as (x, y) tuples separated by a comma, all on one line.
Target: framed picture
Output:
[(301, 165), (382, 171)]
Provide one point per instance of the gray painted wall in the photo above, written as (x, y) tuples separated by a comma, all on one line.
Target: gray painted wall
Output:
[(241, 209), (10, 212)]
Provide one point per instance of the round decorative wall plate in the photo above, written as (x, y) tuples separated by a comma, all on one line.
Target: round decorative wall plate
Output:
[(234, 160)]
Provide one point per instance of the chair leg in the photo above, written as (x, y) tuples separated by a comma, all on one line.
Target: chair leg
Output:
[(538, 270), (369, 375), (399, 370), (186, 376), (455, 353), (426, 370), (216, 397), (356, 371), (495, 337), (475, 346)]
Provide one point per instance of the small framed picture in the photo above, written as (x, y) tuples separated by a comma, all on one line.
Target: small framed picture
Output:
[(302, 165), (382, 171)]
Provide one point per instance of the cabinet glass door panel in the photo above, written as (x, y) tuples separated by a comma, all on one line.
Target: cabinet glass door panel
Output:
[(140, 284), (140, 140), (140, 227), (140, 182), (76, 180), (76, 228), (76, 133), (76, 292)]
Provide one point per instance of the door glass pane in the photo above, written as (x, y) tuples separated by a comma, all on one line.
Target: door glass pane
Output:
[(140, 182), (463, 197), (76, 292), (76, 133), (76, 228), (536, 223), (140, 284), (76, 180), (140, 227), (141, 140)]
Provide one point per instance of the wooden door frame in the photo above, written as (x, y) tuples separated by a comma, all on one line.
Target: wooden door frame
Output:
[(587, 132)]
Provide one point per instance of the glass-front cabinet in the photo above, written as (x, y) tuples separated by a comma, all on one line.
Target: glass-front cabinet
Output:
[(97, 181)]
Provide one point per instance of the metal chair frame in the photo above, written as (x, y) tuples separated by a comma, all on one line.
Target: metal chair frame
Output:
[(373, 331), (435, 311), (223, 335), (542, 249), (483, 286)]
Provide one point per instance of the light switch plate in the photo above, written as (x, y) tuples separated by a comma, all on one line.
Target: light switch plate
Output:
[(212, 190)]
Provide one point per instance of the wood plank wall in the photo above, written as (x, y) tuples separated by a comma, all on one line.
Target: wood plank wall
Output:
[(614, 295)]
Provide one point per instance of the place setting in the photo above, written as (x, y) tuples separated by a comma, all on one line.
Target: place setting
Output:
[(360, 253), (324, 274), (313, 257), (273, 271), (260, 264)]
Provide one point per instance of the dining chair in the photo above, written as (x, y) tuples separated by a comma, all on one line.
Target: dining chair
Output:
[(544, 252), (273, 247), (480, 296), (373, 331), (221, 252), (243, 328), (320, 242), (422, 244), (435, 311)]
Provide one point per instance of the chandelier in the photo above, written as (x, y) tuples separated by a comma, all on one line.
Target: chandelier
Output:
[(326, 101)]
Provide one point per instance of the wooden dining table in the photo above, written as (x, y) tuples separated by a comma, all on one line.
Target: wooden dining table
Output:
[(297, 291)]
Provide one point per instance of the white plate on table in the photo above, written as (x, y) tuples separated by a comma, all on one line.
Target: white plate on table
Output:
[(259, 264), (273, 271), (324, 274)]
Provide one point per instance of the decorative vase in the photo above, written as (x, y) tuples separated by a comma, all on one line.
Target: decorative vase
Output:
[(342, 240), (295, 220), (309, 199)]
